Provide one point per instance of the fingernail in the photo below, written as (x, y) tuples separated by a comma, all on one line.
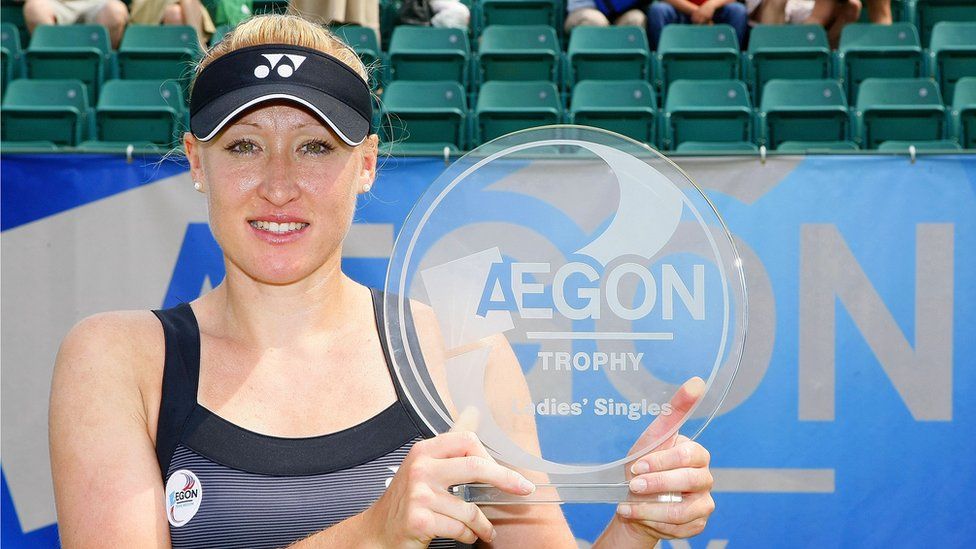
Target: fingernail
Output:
[(494, 533), (641, 467), (623, 510), (638, 485), (526, 486)]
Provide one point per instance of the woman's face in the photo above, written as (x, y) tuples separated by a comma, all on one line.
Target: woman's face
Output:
[(281, 190)]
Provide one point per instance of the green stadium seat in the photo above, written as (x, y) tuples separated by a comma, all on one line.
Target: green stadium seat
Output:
[(628, 107), (159, 52), (931, 12), (504, 107), (27, 146), (878, 51), (899, 109), (388, 21), (607, 53), (425, 115), (517, 12), (219, 33), (707, 111), (140, 111), (366, 44), (11, 56), (804, 147), (786, 52), (518, 53), (13, 13), (714, 147), (953, 54), (696, 52), (964, 112), (428, 53), (804, 110), (931, 146), (269, 6), (78, 52), (53, 111)]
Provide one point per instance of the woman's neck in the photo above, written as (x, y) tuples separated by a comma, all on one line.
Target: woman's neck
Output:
[(263, 316)]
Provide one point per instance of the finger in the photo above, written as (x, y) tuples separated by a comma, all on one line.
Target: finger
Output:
[(671, 531), (468, 469), (436, 525), (675, 480), (693, 507), (453, 444), (466, 513), (683, 400), (685, 453)]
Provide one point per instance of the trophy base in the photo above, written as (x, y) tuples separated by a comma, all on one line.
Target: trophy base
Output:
[(486, 494)]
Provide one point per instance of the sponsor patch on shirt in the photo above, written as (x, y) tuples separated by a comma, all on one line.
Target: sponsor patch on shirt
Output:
[(184, 493)]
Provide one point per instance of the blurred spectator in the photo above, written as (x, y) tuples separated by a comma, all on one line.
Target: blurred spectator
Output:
[(434, 13), (450, 13), (698, 12), (174, 12), (777, 12), (879, 11), (600, 13), (365, 13), (112, 14), (835, 14)]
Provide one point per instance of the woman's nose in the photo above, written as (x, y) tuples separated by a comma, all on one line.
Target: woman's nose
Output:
[(278, 185)]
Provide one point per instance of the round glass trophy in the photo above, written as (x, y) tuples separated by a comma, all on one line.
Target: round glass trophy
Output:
[(581, 292)]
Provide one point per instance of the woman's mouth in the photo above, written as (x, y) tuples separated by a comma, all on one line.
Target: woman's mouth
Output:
[(277, 228)]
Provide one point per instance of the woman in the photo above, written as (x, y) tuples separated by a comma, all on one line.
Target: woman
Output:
[(202, 425)]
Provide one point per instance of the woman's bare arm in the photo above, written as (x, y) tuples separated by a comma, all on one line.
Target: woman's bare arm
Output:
[(107, 484)]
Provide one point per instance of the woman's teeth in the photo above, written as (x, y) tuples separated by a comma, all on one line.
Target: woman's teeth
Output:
[(279, 228)]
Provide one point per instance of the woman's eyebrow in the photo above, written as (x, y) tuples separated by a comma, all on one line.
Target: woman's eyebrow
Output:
[(293, 127)]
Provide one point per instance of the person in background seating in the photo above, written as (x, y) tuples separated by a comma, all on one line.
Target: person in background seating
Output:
[(601, 13), (112, 14), (834, 15), (175, 12), (697, 12)]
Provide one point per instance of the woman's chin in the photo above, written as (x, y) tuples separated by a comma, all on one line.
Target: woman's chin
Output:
[(280, 274)]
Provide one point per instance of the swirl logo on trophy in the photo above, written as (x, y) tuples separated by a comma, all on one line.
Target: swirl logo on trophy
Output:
[(569, 283)]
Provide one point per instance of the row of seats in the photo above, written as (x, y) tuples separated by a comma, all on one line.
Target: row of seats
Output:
[(697, 115), (426, 116), (522, 53), (82, 52), (56, 113)]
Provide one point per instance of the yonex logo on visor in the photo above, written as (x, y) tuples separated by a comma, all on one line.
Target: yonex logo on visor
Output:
[(284, 69), (323, 84)]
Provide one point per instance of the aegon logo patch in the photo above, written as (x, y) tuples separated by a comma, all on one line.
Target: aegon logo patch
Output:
[(284, 70), (184, 493)]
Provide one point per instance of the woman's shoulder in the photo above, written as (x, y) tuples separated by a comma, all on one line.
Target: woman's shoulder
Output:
[(114, 334), (112, 353)]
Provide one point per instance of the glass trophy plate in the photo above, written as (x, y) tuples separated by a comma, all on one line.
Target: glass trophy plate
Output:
[(565, 281)]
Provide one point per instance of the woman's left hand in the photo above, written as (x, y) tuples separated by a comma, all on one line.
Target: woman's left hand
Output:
[(681, 469), (678, 466)]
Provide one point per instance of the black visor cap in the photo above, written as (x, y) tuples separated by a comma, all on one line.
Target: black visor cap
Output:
[(238, 80)]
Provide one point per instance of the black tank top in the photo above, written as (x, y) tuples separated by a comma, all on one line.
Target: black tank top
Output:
[(227, 486)]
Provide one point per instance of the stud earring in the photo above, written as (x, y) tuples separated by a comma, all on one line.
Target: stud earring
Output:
[(366, 187), (197, 185)]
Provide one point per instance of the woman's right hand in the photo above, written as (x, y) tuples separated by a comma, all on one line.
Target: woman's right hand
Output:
[(418, 505)]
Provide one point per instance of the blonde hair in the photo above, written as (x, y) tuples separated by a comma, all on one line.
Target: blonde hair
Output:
[(284, 29)]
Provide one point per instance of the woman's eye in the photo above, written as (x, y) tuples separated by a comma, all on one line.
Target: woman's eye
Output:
[(242, 147), (317, 147)]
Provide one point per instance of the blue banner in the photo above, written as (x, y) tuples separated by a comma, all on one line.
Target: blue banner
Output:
[(849, 424)]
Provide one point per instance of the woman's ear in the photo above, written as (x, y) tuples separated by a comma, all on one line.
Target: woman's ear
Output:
[(368, 170), (192, 148)]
